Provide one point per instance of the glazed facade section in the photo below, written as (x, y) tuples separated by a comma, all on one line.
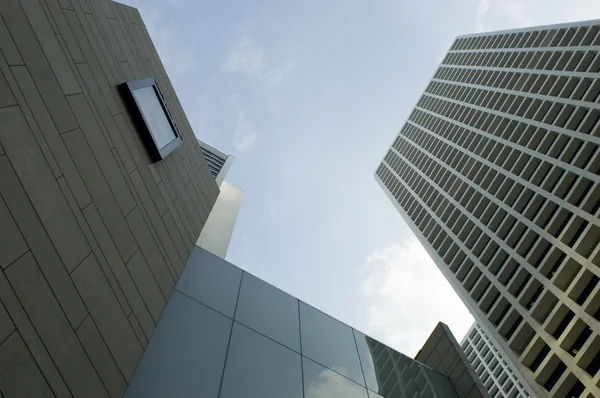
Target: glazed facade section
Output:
[(226, 333), (497, 171)]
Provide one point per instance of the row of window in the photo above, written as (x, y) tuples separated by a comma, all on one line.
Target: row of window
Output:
[(569, 87), (568, 61), (482, 154), (564, 37), (579, 119)]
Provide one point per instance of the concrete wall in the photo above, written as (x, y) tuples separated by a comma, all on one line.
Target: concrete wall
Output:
[(93, 236), (216, 235), (442, 353)]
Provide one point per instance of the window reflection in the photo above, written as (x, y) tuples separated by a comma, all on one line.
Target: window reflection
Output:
[(394, 375), (320, 382), (269, 311), (259, 367), (329, 342)]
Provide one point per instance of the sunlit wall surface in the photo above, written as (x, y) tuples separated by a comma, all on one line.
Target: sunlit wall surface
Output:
[(228, 334)]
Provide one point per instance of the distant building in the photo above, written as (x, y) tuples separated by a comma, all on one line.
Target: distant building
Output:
[(216, 234), (496, 171), (499, 376), (218, 162)]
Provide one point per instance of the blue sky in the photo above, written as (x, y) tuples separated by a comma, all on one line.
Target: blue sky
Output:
[(308, 95)]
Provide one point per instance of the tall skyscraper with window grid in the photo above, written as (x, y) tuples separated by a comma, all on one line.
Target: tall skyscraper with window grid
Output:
[(497, 173)]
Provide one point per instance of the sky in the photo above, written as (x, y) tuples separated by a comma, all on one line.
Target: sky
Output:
[(308, 96)]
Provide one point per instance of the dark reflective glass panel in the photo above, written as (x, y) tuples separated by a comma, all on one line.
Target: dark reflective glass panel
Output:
[(394, 375), (259, 367), (269, 311), (367, 360), (329, 342), (186, 354), (211, 280), (320, 382)]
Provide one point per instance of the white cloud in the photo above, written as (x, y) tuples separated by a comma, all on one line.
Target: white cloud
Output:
[(407, 296), (245, 136), (275, 77), (247, 56), (510, 14), (177, 57), (330, 385)]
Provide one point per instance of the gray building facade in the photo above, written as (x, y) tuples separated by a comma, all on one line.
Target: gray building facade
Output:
[(226, 333), (496, 171), (499, 376), (94, 233)]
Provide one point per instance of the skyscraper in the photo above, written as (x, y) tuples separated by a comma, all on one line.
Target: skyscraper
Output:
[(498, 375), (218, 230), (496, 171)]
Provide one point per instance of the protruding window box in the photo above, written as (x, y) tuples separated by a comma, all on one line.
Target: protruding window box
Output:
[(151, 116)]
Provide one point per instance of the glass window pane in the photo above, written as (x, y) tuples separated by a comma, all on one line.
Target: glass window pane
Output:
[(367, 359), (186, 354), (211, 280), (329, 342), (374, 394), (320, 382), (154, 115), (269, 311), (259, 367)]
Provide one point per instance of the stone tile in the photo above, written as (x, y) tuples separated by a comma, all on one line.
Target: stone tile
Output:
[(106, 30), (107, 118), (91, 51), (12, 244), (47, 39), (100, 192), (94, 245), (172, 270), (50, 18), (107, 368), (65, 30), (53, 328), (6, 96), (118, 268), (5, 69), (127, 50), (142, 161), (8, 47), (155, 218), (37, 64), (138, 330), (32, 339), (102, 152), (147, 220), (174, 232), (151, 252), (51, 136), (19, 374), (116, 73), (41, 187), (6, 324), (190, 233), (108, 316), (146, 284), (35, 235)]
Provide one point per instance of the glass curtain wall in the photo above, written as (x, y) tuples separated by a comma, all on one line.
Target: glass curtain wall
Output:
[(227, 334)]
